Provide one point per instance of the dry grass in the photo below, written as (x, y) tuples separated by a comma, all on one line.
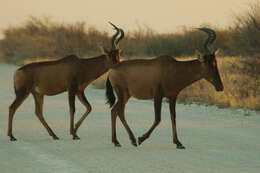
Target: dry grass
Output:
[(241, 79), (43, 37)]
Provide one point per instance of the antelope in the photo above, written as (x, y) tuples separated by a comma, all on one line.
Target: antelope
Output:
[(155, 79), (71, 74)]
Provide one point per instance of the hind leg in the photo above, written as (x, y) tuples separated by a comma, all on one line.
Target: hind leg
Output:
[(113, 125), (21, 95), (72, 93), (172, 105), (38, 111), (119, 110), (121, 114)]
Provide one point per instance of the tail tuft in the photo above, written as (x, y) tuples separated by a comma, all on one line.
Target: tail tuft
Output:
[(110, 94)]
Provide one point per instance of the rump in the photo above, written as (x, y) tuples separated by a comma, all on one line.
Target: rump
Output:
[(22, 81)]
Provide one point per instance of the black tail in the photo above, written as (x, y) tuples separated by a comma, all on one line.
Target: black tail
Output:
[(110, 94)]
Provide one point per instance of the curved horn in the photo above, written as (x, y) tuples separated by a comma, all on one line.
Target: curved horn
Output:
[(211, 38), (115, 35), (121, 36)]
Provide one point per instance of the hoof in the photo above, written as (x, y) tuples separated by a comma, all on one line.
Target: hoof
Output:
[(55, 138), (76, 137), (13, 139), (117, 144), (180, 147), (134, 143), (140, 140)]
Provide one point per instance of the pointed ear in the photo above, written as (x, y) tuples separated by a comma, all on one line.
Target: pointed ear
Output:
[(199, 55)]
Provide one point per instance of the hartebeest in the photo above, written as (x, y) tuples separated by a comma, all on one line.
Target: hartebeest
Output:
[(157, 78), (70, 74)]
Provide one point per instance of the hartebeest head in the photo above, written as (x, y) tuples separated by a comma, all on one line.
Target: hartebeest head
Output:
[(114, 53), (209, 62)]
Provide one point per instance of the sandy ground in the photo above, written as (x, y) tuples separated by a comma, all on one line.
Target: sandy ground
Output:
[(216, 140)]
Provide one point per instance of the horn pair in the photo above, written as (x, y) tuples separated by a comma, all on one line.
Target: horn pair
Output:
[(114, 41), (211, 38)]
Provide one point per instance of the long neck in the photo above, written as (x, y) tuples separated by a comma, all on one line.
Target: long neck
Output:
[(189, 72), (97, 66)]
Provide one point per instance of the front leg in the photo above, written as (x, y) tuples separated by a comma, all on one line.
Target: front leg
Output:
[(82, 98), (176, 141), (157, 119)]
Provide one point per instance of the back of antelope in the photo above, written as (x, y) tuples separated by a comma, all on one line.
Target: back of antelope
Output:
[(155, 79)]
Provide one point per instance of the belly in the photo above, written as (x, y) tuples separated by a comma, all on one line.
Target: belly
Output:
[(49, 89), (142, 93)]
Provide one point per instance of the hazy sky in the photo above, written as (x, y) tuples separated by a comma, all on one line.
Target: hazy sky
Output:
[(161, 15)]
